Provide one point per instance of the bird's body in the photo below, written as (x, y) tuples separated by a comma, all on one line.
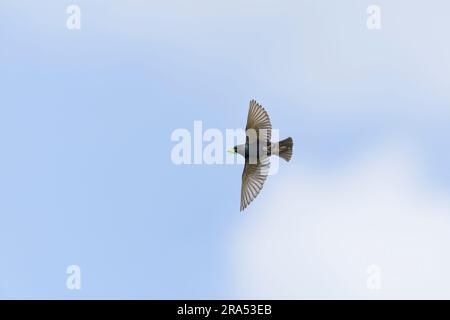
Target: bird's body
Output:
[(262, 149), (244, 149), (257, 151)]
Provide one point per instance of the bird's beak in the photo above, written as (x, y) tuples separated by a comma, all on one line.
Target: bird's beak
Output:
[(230, 150)]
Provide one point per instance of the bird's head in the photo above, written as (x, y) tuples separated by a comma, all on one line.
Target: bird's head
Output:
[(233, 150)]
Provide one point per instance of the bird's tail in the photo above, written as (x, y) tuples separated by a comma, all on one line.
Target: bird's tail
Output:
[(285, 149)]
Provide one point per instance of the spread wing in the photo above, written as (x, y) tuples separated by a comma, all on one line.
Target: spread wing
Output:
[(253, 179), (258, 119)]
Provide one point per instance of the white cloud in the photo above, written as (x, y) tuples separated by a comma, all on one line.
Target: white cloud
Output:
[(319, 232)]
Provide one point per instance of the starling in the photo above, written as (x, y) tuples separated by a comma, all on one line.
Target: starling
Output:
[(257, 151)]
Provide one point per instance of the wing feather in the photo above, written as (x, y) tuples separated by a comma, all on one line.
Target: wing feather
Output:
[(253, 179), (258, 119)]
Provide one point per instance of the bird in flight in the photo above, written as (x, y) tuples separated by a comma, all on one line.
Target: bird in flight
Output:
[(257, 151)]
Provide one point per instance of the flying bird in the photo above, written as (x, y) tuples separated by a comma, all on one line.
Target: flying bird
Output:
[(257, 151)]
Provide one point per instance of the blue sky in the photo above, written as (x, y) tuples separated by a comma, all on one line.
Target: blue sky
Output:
[(86, 117)]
